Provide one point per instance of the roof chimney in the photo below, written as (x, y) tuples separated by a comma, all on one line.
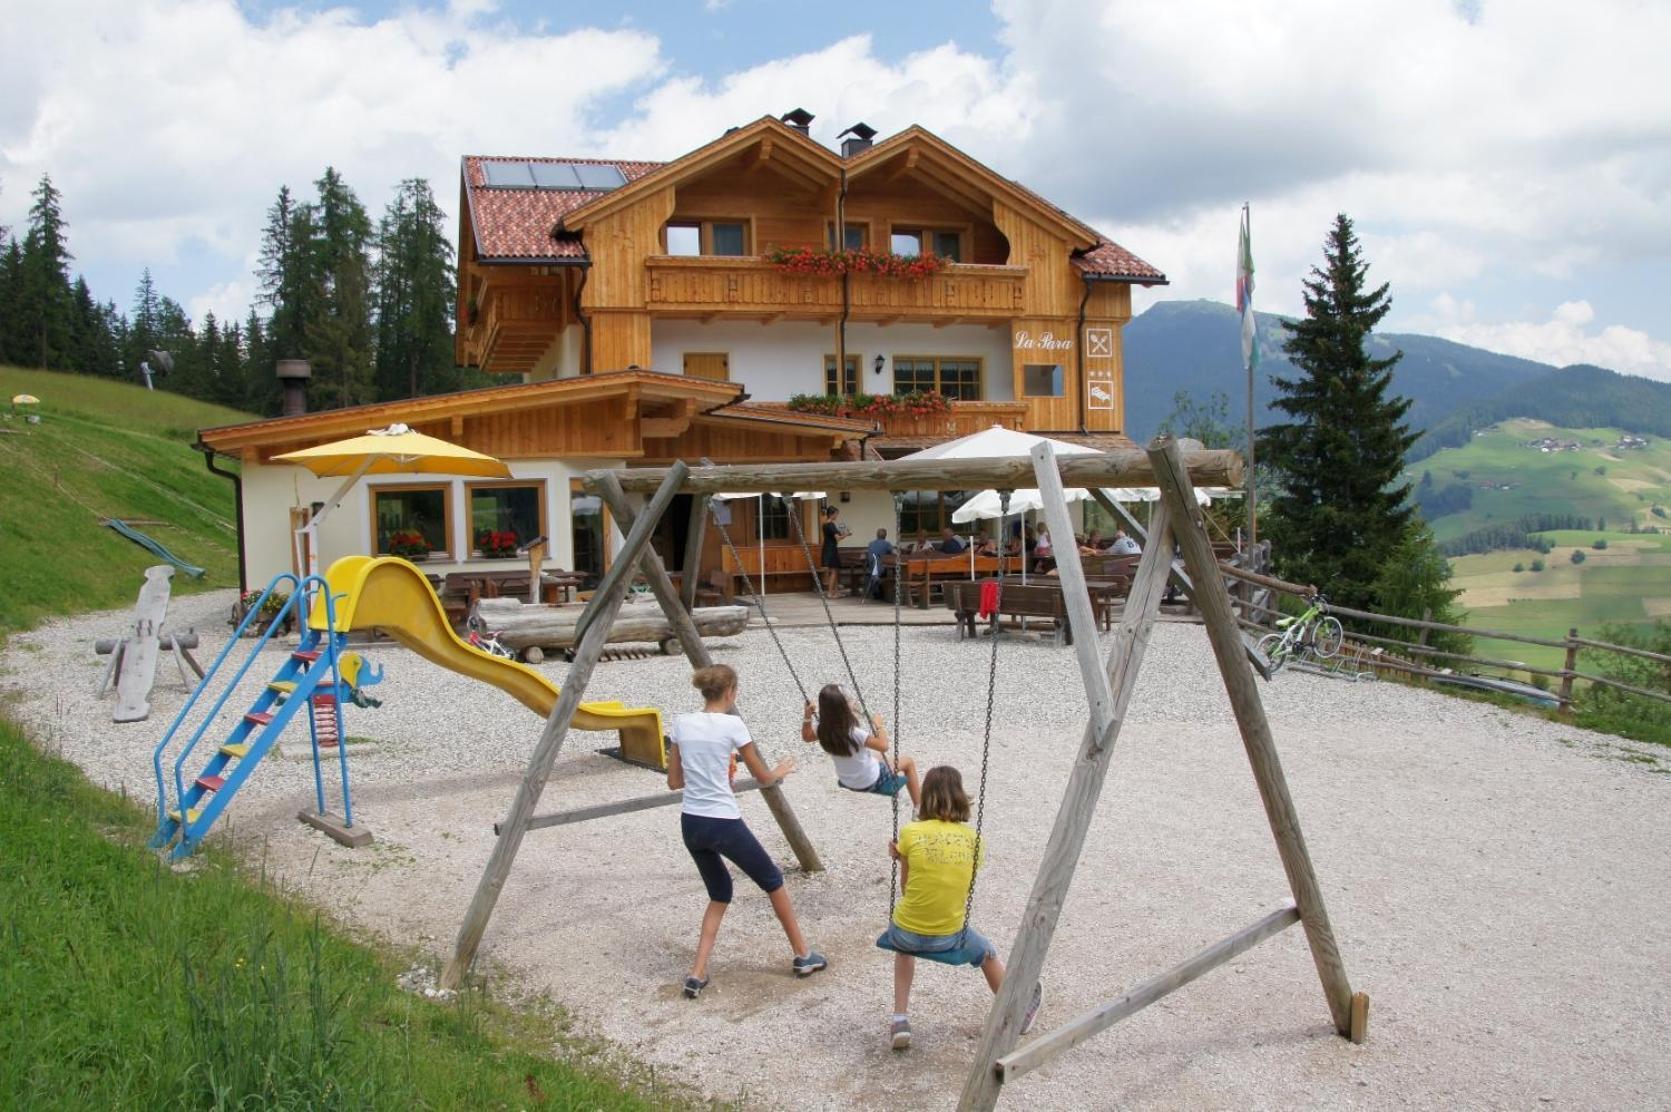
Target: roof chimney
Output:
[(293, 375), (862, 136), (799, 119)]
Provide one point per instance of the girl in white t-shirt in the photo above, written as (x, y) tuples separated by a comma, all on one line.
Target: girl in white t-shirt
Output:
[(700, 762), (860, 754)]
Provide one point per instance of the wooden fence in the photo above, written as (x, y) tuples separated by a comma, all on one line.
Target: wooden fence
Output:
[(1423, 661)]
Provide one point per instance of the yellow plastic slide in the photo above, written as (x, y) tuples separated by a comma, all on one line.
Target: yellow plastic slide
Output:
[(391, 594)]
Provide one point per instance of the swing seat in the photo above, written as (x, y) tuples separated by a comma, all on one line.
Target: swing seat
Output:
[(958, 955)]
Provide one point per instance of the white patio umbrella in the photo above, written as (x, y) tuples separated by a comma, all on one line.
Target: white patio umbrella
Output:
[(998, 442)]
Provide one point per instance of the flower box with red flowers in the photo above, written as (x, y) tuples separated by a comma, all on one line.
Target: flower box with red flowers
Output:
[(496, 544), (823, 263), (408, 544)]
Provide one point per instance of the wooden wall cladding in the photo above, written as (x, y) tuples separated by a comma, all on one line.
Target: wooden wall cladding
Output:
[(620, 340), (741, 441), (618, 245)]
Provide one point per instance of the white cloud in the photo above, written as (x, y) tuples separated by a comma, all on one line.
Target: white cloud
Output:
[(1476, 144), (229, 301), (1567, 336)]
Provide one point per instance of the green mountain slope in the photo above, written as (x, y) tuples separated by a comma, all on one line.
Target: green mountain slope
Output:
[(104, 449), (1196, 346), (1507, 473), (1577, 397)]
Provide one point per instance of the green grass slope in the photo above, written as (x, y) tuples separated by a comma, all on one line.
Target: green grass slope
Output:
[(1510, 480), (104, 449), (128, 985)]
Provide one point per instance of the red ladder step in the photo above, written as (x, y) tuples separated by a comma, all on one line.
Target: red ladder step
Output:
[(259, 717), (211, 783), (307, 656), (325, 719)]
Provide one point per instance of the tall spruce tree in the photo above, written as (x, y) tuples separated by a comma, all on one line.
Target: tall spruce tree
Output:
[(416, 292), (13, 335), (144, 331), (46, 304), (286, 271), (339, 335), (1340, 512)]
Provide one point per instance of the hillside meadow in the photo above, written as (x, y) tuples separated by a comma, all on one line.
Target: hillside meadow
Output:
[(1509, 479), (104, 449)]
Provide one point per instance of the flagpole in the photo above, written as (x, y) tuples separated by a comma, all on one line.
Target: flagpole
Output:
[(1249, 358)]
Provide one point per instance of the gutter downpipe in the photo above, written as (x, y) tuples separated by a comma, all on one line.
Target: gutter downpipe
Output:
[(846, 291), (1079, 356), (585, 321), (238, 498)]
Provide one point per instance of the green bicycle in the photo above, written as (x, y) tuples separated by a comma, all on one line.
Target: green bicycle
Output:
[(1314, 633)]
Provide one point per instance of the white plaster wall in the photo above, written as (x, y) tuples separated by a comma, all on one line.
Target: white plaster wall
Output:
[(271, 491), (561, 359), (777, 361)]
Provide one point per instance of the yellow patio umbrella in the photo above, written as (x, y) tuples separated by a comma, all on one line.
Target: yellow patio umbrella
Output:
[(396, 450), (25, 399)]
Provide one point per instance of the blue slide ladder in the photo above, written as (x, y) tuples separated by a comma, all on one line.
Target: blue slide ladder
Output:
[(317, 665)]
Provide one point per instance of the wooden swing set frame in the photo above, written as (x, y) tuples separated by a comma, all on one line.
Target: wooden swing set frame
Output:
[(1108, 685)]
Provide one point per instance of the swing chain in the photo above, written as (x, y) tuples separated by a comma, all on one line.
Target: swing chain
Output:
[(899, 591), (986, 739), (759, 602), (829, 615)]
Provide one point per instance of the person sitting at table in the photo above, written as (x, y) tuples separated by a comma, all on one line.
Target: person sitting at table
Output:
[(1124, 545), (1044, 556), (986, 546), (876, 552), (1092, 544), (950, 543)]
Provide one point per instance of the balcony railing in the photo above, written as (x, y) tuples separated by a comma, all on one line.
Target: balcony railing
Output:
[(751, 285), (964, 418)]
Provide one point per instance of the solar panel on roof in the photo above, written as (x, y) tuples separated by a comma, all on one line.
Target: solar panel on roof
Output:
[(507, 174), (594, 176), (555, 175)]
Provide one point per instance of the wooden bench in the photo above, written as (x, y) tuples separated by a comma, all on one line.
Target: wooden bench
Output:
[(1032, 600), (926, 574)]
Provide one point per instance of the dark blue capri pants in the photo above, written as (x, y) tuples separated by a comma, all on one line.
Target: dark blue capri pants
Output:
[(712, 841)]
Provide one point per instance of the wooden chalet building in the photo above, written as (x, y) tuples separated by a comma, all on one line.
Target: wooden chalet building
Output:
[(646, 311)]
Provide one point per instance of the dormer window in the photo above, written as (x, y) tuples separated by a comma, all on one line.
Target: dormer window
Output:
[(707, 237)]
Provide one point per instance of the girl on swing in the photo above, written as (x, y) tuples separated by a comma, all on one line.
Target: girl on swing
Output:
[(938, 855), (860, 753), (701, 761)]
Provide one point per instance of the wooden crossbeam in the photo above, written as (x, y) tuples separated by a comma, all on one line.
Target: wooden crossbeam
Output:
[(623, 807), (1122, 468), (1104, 1016)]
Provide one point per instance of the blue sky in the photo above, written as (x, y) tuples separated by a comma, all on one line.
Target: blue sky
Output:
[(1508, 164)]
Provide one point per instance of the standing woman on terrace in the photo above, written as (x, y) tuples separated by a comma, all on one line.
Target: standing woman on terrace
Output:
[(834, 530)]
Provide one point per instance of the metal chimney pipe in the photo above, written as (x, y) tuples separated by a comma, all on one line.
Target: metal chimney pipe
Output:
[(293, 375)]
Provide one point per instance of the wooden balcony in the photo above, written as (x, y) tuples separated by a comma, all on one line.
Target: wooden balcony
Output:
[(964, 418), (709, 286)]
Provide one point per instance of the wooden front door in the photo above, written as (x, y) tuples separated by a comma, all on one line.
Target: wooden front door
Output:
[(713, 365)]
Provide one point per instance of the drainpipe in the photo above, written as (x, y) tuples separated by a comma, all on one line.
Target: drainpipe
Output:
[(1079, 356), (585, 322), (846, 302), (238, 498)]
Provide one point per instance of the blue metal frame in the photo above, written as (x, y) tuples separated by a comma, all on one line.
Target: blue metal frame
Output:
[(308, 678)]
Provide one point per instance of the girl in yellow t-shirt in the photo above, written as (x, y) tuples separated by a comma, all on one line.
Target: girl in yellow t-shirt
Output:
[(938, 856)]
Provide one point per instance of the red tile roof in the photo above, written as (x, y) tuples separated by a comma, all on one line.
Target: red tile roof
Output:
[(520, 223), (1109, 260)]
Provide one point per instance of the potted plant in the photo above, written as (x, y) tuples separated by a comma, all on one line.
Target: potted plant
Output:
[(496, 544), (268, 613), (408, 544)]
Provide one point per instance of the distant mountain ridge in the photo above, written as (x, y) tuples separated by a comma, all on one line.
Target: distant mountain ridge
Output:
[(1581, 396), (1196, 346)]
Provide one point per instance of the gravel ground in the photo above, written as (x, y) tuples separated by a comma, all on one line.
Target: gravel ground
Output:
[(1498, 884)]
